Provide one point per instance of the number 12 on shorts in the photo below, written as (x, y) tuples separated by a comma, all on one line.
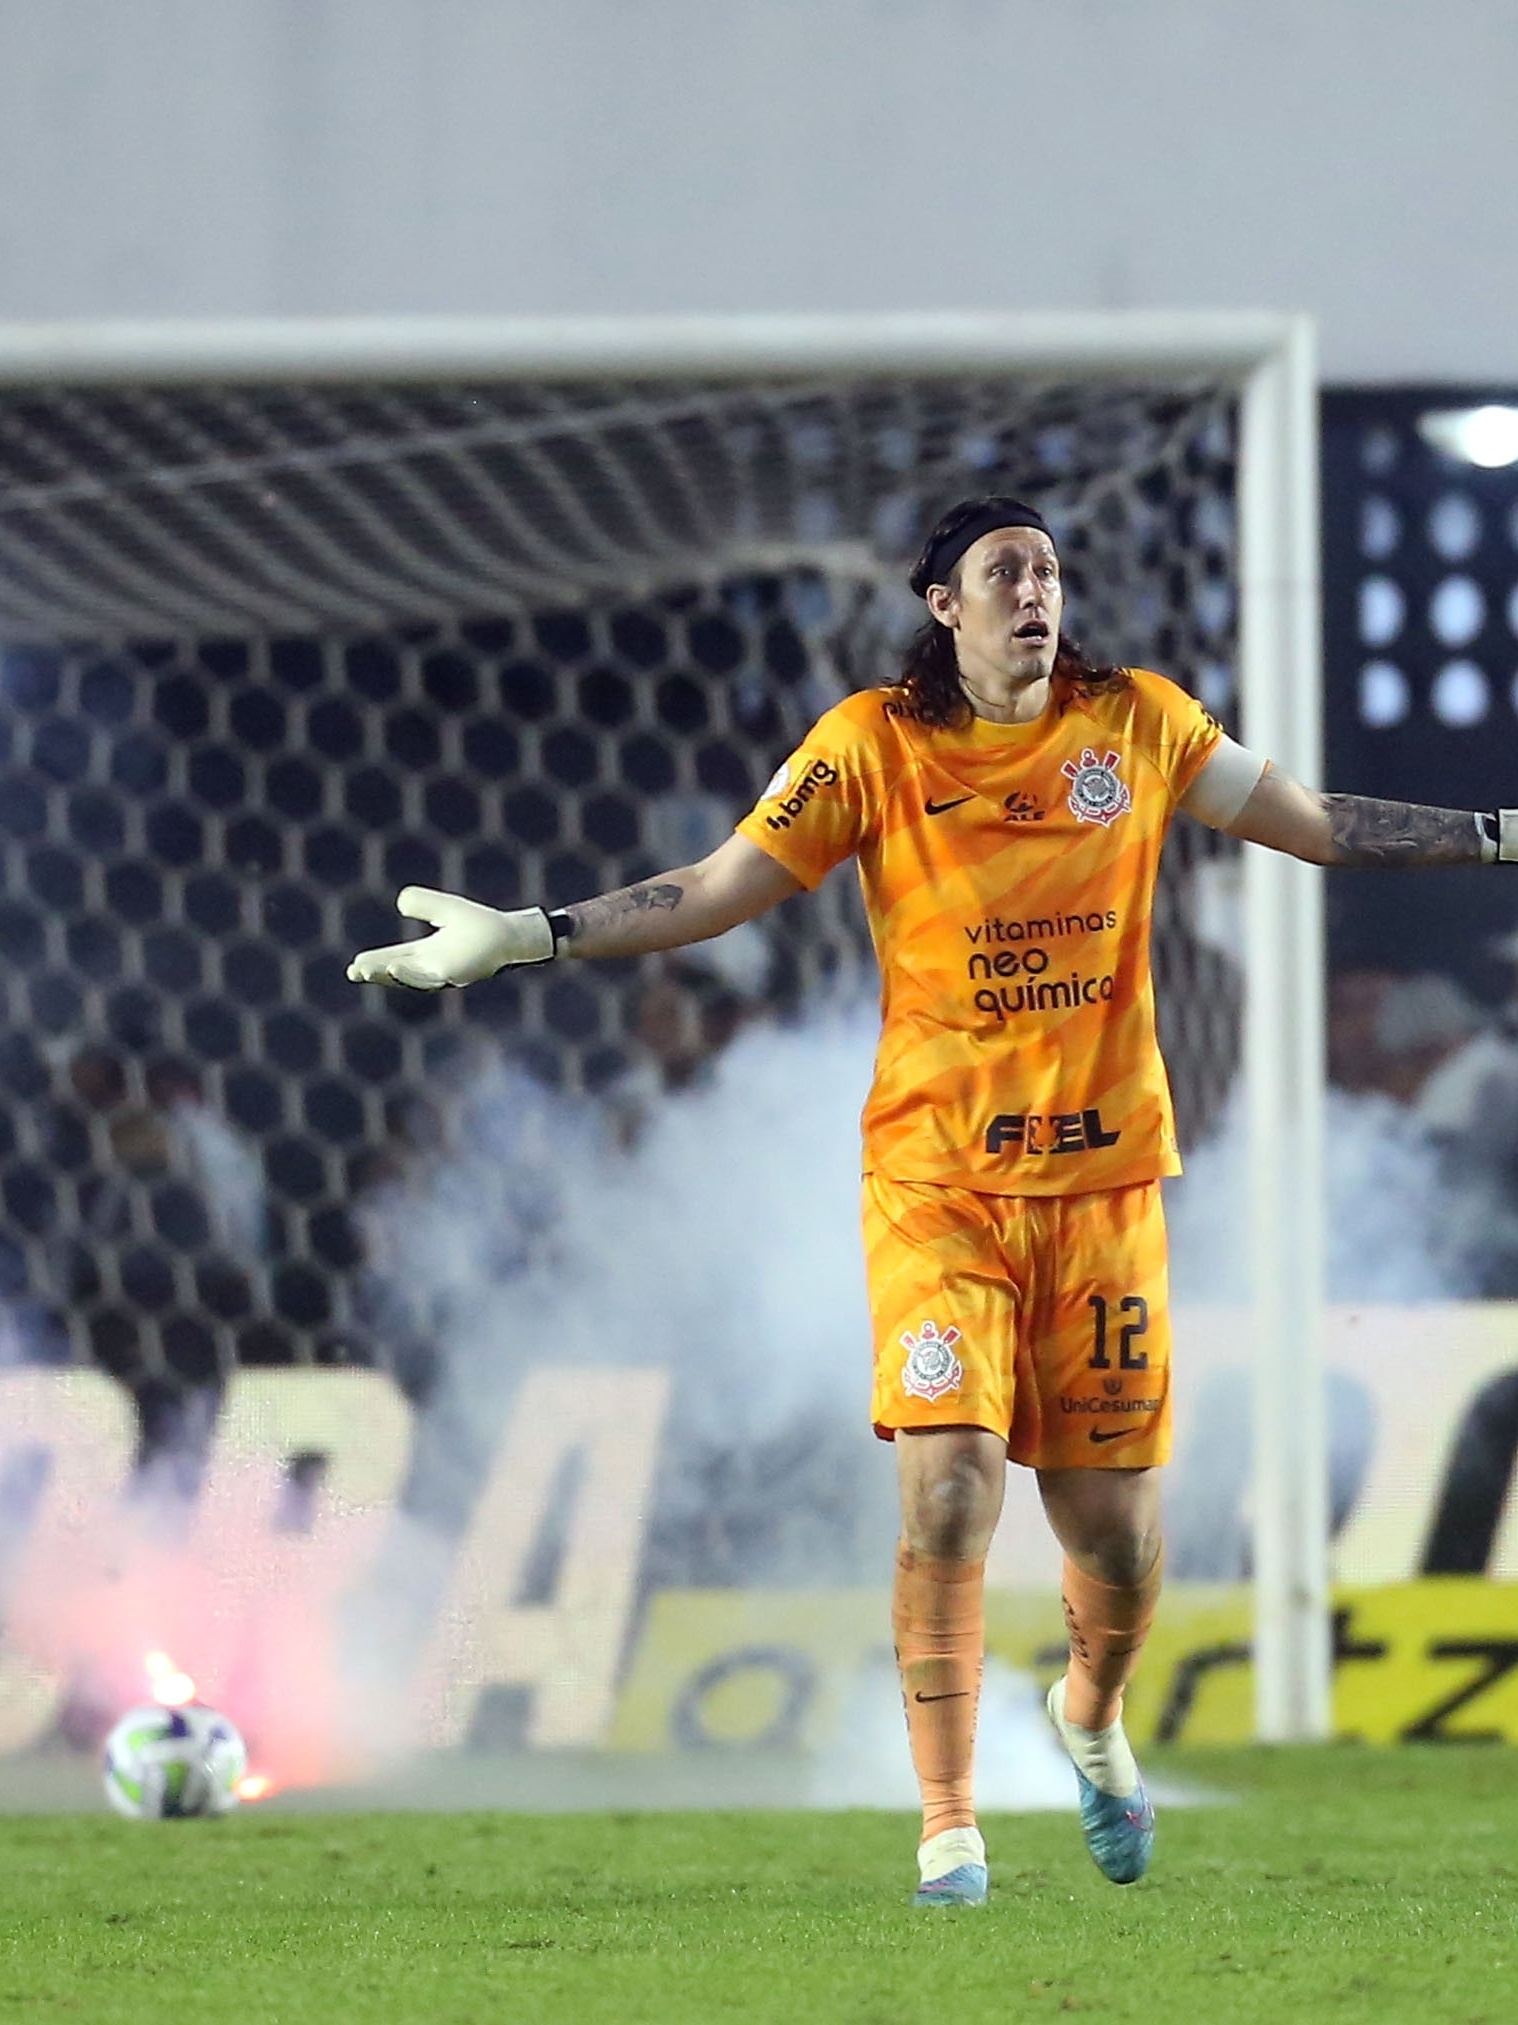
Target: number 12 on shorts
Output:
[(1128, 1359)]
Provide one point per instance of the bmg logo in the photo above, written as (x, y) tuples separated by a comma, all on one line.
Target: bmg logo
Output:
[(817, 776)]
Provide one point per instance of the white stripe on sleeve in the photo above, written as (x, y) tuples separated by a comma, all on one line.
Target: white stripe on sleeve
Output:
[(1227, 780)]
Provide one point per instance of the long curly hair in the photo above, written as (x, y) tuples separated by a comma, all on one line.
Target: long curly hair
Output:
[(932, 691)]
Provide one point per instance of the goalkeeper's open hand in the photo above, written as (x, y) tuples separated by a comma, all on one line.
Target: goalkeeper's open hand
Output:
[(472, 941)]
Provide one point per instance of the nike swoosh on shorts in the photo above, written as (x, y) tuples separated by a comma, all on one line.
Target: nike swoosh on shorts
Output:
[(1113, 1433)]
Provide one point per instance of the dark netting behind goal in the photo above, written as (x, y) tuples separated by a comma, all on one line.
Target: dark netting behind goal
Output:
[(272, 653)]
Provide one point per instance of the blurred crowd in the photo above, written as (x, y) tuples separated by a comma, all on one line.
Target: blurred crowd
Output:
[(1451, 1065)]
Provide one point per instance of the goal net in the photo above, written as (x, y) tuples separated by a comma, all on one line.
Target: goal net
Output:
[(276, 646)]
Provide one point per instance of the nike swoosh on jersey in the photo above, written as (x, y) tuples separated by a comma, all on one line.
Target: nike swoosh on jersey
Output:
[(939, 808), (1113, 1433)]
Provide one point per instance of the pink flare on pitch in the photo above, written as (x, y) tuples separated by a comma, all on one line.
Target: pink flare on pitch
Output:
[(171, 1688), (229, 1613)]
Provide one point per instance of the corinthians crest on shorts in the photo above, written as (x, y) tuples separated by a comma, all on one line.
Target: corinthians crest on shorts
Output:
[(1096, 793), (931, 1368)]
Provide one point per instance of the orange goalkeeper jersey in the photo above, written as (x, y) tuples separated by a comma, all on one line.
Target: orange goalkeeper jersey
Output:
[(1008, 874)]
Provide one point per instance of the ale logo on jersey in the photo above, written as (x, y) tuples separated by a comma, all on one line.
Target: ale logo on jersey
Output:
[(931, 1368), (1021, 808), (1096, 793)]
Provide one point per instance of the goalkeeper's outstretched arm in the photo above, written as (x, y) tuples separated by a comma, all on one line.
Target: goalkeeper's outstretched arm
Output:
[(1357, 830), (472, 941)]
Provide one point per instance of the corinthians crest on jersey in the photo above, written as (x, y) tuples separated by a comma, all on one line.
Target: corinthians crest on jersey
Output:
[(931, 1368), (1097, 795)]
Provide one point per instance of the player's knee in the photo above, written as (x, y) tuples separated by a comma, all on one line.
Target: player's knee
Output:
[(1124, 1557), (951, 1512)]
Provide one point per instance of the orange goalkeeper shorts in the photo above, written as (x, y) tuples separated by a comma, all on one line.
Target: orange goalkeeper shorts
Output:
[(1044, 1318)]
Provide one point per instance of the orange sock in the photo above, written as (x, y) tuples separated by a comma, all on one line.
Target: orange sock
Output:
[(939, 1618), (1107, 1628)]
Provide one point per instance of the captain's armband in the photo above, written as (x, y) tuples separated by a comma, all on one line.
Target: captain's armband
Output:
[(1229, 776)]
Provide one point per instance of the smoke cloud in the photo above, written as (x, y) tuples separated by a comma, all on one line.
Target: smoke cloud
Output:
[(720, 1246)]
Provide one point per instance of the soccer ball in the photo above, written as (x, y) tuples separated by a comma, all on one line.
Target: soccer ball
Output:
[(167, 1764)]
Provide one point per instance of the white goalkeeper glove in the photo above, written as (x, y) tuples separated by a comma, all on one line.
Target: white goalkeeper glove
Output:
[(472, 941)]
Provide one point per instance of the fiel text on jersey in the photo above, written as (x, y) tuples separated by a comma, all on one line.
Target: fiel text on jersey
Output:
[(1059, 1132)]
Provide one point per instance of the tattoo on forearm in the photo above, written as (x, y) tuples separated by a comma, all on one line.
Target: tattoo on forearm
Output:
[(1366, 832), (661, 897)]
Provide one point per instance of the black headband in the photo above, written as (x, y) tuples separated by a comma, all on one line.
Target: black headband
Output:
[(944, 550)]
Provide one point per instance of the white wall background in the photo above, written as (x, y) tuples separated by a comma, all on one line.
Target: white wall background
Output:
[(1358, 158)]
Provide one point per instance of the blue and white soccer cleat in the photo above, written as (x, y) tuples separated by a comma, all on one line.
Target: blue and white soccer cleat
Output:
[(952, 1867), (1118, 1824)]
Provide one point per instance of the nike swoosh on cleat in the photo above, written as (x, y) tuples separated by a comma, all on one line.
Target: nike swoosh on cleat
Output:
[(940, 808), (1113, 1433), (957, 1696)]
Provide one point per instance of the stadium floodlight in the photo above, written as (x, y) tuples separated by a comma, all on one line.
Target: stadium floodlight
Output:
[(1486, 436), (257, 479)]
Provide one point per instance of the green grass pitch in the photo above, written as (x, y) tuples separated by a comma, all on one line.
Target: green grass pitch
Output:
[(1343, 1884)]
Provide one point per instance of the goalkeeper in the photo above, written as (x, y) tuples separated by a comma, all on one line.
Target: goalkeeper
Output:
[(1006, 802)]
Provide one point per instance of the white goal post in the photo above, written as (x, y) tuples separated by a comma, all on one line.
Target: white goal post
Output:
[(1268, 361)]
